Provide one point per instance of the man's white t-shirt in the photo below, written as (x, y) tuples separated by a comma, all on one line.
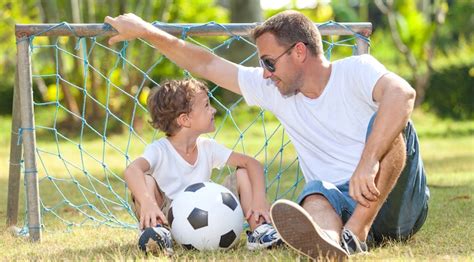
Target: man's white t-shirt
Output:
[(328, 132), (173, 174)]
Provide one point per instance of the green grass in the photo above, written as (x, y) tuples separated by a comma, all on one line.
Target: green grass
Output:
[(448, 152)]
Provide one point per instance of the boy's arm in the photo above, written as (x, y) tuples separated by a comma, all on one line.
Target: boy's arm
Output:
[(134, 175), (186, 55), (256, 177)]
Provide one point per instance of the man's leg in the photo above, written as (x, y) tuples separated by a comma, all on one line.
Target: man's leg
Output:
[(406, 207), (324, 215), (391, 166), (313, 228)]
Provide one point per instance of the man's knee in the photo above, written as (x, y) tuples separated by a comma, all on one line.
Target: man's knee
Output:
[(317, 200)]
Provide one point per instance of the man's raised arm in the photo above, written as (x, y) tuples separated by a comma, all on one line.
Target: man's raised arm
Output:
[(186, 55)]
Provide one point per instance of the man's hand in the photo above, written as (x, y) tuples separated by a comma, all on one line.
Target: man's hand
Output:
[(129, 27), (362, 185), (151, 215)]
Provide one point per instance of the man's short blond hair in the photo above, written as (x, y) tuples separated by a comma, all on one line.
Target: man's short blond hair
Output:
[(290, 27)]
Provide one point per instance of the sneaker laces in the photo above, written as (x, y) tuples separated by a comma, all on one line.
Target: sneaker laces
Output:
[(264, 236), (261, 232)]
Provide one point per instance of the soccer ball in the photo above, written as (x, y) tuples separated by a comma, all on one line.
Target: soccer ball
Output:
[(206, 216)]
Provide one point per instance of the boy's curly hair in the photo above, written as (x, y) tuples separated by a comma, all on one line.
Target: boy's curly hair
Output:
[(171, 99)]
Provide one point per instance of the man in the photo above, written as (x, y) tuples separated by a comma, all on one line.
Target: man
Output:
[(348, 121)]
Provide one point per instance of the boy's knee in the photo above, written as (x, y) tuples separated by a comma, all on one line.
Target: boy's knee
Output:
[(241, 172), (149, 180)]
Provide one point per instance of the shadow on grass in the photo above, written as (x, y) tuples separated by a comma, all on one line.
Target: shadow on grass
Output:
[(113, 251)]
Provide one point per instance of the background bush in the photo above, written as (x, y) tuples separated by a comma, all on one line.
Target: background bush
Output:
[(452, 92)]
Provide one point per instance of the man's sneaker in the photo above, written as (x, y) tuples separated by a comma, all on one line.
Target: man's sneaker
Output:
[(264, 236), (351, 243), (156, 239), (298, 230)]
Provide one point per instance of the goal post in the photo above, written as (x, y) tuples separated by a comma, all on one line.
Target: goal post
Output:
[(24, 152)]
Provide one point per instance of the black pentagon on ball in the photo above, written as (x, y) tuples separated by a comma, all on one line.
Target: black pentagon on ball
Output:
[(194, 187), (170, 216), (198, 218), (227, 239), (229, 200)]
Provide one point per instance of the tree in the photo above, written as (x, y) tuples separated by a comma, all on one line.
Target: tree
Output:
[(414, 29)]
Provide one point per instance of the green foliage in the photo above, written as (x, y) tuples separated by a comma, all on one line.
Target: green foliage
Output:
[(459, 24), (47, 11), (452, 92), (199, 11), (452, 83), (415, 27), (11, 12), (345, 12)]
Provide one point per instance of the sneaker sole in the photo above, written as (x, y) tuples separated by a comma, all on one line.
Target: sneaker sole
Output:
[(298, 231)]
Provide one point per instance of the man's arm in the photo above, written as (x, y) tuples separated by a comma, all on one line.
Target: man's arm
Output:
[(186, 55), (396, 100)]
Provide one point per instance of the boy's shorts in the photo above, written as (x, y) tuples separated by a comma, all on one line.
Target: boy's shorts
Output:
[(406, 207)]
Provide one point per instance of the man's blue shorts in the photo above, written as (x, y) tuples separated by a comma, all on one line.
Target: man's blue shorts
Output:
[(406, 207)]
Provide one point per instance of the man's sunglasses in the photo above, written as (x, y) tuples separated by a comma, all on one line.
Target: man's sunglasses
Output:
[(269, 63)]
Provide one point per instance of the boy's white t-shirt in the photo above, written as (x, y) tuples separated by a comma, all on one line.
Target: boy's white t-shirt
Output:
[(173, 174), (328, 132)]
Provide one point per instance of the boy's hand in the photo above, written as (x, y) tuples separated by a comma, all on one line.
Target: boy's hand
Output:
[(128, 26), (151, 215), (259, 210)]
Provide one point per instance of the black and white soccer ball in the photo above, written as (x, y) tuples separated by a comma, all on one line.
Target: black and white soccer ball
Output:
[(206, 216)]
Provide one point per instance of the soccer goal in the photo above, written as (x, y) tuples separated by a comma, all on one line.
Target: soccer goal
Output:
[(79, 118)]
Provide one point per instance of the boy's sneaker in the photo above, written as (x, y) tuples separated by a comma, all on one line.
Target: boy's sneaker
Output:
[(156, 239), (351, 243), (298, 230), (264, 236)]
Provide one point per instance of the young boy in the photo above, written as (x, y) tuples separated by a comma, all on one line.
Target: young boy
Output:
[(181, 109)]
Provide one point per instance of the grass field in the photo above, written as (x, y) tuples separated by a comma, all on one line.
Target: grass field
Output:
[(448, 152)]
